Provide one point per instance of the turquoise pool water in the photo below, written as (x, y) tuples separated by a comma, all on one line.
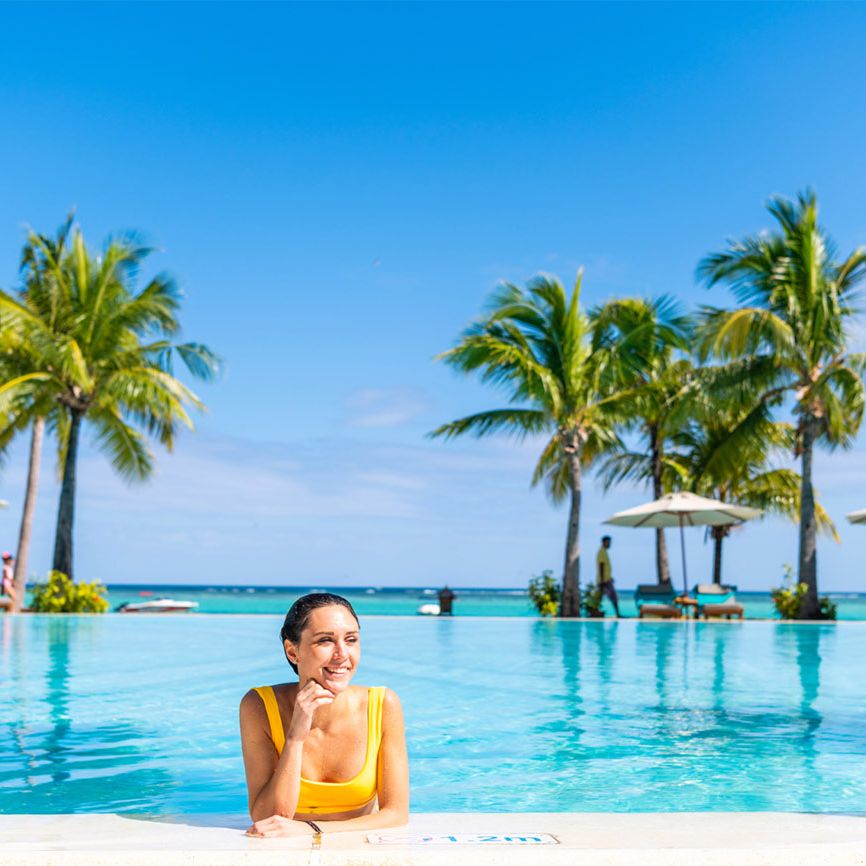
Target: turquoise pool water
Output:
[(137, 714)]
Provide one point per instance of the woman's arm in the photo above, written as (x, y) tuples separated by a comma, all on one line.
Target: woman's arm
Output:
[(273, 784), (393, 785)]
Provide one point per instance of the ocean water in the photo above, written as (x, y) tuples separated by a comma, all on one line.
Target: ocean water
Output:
[(139, 714), (385, 601)]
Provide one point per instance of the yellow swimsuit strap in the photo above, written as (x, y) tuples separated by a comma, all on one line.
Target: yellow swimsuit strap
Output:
[(323, 798), (269, 699), (278, 735)]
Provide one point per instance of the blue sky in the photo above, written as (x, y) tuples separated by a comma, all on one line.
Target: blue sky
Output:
[(338, 188)]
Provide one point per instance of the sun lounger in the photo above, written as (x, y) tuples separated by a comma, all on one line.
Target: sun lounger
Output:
[(656, 599), (716, 599)]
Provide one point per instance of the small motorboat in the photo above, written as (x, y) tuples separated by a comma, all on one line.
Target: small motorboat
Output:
[(428, 610), (157, 605)]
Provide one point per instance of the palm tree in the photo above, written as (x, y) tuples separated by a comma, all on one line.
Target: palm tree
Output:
[(536, 345), (648, 334), (789, 339), (102, 348), (25, 399), (727, 457), (22, 551)]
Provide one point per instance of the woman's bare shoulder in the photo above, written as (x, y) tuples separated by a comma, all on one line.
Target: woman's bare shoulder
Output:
[(391, 704), (393, 723), (252, 700)]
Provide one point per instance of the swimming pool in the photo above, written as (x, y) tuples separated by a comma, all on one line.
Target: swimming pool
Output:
[(132, 714)]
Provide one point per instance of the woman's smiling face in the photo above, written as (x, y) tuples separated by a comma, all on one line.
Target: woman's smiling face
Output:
[(329, 649)]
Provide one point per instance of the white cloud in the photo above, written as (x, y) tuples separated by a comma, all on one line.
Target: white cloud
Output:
[(229, 477), (384, 407), (392, 479), (348, 510)]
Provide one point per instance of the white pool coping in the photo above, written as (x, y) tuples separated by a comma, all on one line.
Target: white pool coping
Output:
[(649, 839)]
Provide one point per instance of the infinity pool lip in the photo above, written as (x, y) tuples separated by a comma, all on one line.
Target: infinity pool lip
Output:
[(708, 838)]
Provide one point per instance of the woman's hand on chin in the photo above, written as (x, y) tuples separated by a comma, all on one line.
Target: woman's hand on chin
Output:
[(277, 825)]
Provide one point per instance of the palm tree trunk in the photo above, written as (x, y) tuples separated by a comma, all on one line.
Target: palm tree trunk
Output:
[(571, 573), (22, 554), (718, 533), (66, 508), (808, 564), (663, 570)]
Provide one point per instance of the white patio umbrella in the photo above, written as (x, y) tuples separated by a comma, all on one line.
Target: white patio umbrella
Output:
[(857, 516), (683, 509)]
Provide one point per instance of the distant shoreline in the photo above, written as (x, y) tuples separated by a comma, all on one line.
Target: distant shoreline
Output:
[(365, 587)]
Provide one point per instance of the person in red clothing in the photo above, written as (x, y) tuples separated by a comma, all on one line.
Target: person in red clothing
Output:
[(9, 575)]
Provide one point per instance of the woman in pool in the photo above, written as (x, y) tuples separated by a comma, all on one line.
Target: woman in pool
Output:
[(320, 754)]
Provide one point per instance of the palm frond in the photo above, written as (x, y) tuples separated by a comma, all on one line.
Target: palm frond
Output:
[(125, 446), (552, 469), (200, 360), (624, 466), (515, 422)]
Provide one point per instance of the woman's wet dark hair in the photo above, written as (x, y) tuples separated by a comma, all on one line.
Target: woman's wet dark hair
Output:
[(299, 614)]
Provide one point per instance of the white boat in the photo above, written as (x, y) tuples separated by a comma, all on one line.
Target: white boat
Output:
[(158, 605), (429, 610)]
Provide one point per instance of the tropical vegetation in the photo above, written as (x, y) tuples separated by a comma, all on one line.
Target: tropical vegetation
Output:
[(58, 594), (652, 337), (685, 402), (591, 600), (545, 593), (536, 345), (789, 340), (84, 343), (788, 598), (714, 402), (728, 456)]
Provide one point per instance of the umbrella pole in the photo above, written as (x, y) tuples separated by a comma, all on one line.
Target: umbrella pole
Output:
[(683, 549)]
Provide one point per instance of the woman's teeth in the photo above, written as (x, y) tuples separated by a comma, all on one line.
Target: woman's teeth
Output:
[(335, 672)]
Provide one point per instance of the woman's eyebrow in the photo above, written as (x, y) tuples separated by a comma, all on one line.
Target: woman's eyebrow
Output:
[(331, 634)]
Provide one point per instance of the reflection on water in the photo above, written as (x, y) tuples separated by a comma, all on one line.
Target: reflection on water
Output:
[(804, 647), (656, 638), (57, 692), (502, 715), (566, 724), (686, 715), (57, 760)]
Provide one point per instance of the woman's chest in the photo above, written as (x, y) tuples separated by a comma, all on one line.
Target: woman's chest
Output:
[(335, 756)]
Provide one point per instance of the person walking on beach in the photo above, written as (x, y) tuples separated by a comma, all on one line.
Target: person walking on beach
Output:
[(605, 578), (8, 575)]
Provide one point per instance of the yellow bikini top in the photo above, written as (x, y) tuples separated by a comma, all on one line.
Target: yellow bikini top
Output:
[(323, 798)]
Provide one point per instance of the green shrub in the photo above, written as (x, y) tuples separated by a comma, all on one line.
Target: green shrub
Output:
[(545, 594), (787, 600), (591, 600), (826, 608), (788, 597), (60, 595)]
